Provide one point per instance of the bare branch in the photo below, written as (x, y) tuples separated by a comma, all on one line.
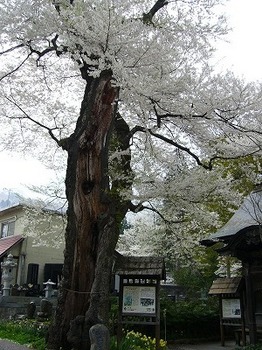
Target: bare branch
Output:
[(12, 49), (27, 116), (235, 126), (52, 47), (15, 69)]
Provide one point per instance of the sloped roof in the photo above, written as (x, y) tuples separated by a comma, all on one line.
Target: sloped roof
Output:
[(11, 209), (226, 286), (140, 265), (9, 242), (18, 207), (248, 215)]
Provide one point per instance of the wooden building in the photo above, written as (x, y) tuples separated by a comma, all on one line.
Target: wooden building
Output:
[(241, 237)]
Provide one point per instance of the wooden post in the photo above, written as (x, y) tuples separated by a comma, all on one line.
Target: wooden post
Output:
[(158, 315), (120, 323), (222, 332), (243, 322), (250, 311)]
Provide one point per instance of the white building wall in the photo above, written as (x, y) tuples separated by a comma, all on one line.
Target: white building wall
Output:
[(31, 251), (40, 255)]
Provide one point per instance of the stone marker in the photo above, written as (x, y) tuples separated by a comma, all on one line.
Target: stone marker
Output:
[(31, 307), (99, 337), (46, 309)]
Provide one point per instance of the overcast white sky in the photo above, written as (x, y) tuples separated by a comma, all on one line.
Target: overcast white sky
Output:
[(17, 173), (243, 55)]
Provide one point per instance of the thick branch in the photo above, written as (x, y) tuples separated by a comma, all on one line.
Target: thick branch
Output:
[(140, 207), (159, 117), (218, 112), (207, 165), (172, 143), (53, 47), (147, 17), (57, 4)]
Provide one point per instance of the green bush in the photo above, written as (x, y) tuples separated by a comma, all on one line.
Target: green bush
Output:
[(113, 314), (190, 319)]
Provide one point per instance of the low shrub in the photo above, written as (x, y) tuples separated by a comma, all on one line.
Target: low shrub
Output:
[(183, 320), (253, 347)]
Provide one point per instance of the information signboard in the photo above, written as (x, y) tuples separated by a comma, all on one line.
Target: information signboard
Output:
[(139, 299), (231, 308)]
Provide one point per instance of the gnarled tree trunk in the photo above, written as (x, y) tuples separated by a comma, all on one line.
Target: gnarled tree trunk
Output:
[(93, 219)]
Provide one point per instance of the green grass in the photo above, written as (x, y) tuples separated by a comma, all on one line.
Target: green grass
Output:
[(25, 332)]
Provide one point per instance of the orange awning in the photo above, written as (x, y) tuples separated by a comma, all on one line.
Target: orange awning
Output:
[(9, 242)]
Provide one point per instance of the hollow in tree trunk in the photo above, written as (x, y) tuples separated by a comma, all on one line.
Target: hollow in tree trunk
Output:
[(93, 219)]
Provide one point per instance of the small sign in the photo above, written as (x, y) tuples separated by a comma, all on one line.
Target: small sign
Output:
[(139, 299), (231, 308)]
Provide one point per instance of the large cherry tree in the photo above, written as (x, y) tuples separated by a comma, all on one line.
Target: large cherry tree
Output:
[(123, 88)]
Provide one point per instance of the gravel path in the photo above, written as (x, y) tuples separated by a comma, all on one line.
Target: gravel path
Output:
[(8, 345), (230, 345)]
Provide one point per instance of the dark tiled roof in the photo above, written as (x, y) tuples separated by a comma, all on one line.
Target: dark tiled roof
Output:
[(226, 285), (248, 215), (9, 242)]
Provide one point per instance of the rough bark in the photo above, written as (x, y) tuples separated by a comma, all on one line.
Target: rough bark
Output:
[(95, 209), (92, 229)]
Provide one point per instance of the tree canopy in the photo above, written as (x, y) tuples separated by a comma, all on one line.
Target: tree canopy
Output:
[(158, 56)]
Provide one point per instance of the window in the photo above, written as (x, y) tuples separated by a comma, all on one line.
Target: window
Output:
[(32, 274), (53, 272), (7, 228)]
